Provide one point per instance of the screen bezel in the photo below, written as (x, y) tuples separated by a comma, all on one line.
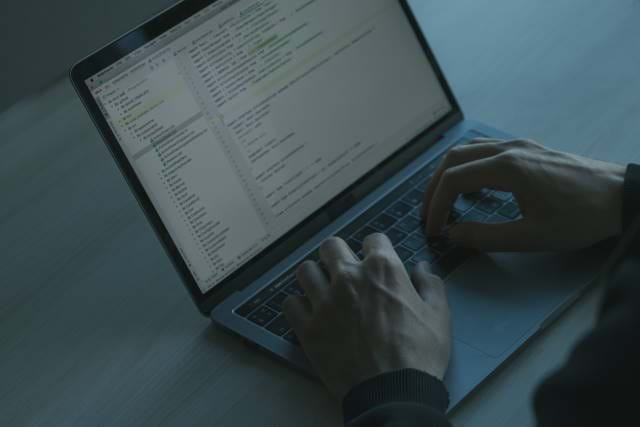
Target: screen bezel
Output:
[(301, 233)]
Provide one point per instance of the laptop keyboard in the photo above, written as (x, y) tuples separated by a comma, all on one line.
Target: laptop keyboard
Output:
[(398, 215)]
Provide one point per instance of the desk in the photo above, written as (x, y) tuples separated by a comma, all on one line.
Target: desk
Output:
[(95, 327)]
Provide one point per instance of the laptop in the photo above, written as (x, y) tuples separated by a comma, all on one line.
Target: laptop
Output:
[(252, 130)]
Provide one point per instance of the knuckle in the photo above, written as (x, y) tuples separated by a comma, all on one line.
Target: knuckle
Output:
[(508, 159), (452, 155), (344, 274), (381, 261), (345, 296)]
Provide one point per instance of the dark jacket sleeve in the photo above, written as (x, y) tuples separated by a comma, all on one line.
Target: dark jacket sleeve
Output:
[(597, 385), (402, 398)]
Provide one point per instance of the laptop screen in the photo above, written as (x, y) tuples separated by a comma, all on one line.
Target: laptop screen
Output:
[(247, 117)]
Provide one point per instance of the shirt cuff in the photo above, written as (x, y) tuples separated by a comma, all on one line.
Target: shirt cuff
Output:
[(405, 385), (631, 195)]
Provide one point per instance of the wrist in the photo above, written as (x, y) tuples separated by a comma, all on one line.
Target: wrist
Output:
[(630, 196), (616, 179)]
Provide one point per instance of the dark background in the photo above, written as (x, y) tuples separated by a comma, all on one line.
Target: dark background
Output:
[(39, 40)]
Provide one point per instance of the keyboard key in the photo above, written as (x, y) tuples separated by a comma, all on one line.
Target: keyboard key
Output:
[(409, 266), (364, 232), (313, 256), (430, 169), (280, 326), (463, 204), (383, 222), (478, 195), (417, 212), (425, 254), (414, 198), (409, 224), (449, 262), (262, 316), (404, 253), (423, 183), (276, 302), (343, 234), (440, 244), (489, 205), (399, 210), (502, 196), (294, 289), (396, 236), (292, 338), (496, 219), (510, 210), (281, 284), (354, 245), (415, 242), (474, 216), (262, 296), (423, 173), (248, 307)]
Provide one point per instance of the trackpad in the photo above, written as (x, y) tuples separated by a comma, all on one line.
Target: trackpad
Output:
[(497, 300)]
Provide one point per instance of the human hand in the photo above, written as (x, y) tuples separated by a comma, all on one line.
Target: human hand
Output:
[(567, 201), (368, 317)]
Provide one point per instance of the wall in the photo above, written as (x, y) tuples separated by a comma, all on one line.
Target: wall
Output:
[(40, 40)]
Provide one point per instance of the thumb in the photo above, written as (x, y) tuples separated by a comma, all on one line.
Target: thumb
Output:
[(505, 237), (428, 285)]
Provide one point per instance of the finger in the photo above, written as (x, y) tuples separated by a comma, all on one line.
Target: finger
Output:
[(486, 141), (381, 261), (377, 243), (313, 281), (429, 286), (297, 310), (458, 156), (335, 253), (520, 235), (466, 178)]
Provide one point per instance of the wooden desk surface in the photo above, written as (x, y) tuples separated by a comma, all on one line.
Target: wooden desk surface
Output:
[(95, 327)]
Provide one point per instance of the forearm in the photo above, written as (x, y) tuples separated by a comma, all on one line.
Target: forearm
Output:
[(592, 387)]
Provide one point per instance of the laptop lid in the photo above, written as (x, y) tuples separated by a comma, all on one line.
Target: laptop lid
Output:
[(246, 126)]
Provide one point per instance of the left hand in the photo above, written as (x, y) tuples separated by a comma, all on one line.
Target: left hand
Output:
[(368, 317)]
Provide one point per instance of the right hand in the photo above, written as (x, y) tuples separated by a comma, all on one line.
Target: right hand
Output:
[(567, 201), (361, 318)]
